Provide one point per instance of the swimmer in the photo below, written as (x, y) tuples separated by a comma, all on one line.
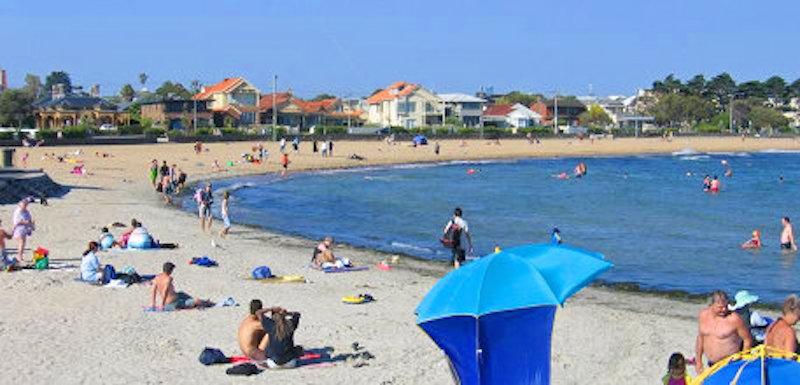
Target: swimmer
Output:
[(706, 183), (754, 242), (689, 173), (562, 176), (580, 170), (715, 184), (471, 171), (780, 179)]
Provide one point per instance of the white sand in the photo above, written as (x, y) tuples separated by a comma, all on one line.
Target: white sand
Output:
[(56, 330)]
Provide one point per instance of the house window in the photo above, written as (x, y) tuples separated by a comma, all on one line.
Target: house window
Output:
[(410, 123), (406, 107), (470, 106)]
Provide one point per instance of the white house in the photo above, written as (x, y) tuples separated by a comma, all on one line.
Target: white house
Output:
[(507, 115), (467, 108), (406, 105)]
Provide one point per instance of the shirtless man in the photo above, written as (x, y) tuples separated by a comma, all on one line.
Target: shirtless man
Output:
[(787, 235), (168, 299), (780, 334), (721, 332), (252, 335), (6, 261)]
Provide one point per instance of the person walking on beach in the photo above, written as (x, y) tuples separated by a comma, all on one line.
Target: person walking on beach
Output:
[(205, 199), (23, 226), (153, 172), (436, 148), (720, 332), (285, 163), (283, 145), (781, 334), (330, 148), (787, 235), (296, 144), (226, 220), (6, 261), (453, 231), (164, 170), (324, 149)]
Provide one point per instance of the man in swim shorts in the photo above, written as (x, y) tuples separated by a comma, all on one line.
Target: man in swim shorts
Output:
[(164, 292), (720, 332), (205, 200), (787, 235)]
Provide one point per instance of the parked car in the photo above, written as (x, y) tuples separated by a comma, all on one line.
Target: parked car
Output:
[(108, 127)]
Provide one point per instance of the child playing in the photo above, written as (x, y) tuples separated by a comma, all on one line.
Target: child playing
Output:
[(753, 243), (106, 240), (676, 371)]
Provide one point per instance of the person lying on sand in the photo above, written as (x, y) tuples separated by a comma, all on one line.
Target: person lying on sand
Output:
[(251, 334), (324, 258), (164, 295)]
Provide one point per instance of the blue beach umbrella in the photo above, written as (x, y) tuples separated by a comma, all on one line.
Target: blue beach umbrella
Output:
[(758, 366), (494, 317)]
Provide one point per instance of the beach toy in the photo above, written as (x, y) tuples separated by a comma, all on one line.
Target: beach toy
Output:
[(230, 163), (358, 299), (203, 261)]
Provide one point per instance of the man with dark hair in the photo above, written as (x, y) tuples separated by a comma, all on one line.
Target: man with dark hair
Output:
[(720, 333), (453, 231), (251, 333), (168, 299), (787, 235)]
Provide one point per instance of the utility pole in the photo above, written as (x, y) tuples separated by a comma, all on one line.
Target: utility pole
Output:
[(555, 113), (274, 108), (730, 117)]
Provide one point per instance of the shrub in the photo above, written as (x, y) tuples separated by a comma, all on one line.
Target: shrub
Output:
[(204, 131), (154, 132), (46, 134), (495, 131), (130, 130), (707, 128), (467, 131), (230, 131), (75, 132), (398, 130)]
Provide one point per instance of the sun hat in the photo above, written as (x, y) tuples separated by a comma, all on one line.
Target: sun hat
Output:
[(743, 298)]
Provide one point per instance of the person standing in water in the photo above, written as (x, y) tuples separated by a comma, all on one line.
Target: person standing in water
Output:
[(453, 231), (787, 235), (706, 183), (285, 163), (715, 185)]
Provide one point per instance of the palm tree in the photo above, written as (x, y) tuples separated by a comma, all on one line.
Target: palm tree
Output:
[(142, 79)]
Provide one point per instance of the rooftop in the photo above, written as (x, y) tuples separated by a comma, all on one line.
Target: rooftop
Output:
[(461, 98), (227, 85), (394, 91)]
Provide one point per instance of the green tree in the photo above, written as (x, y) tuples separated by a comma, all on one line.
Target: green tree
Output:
[(763, 117), (16, 107), (793, 89), (58, 77), (143, 79), (323, 96), (33, 85), (696, 85), (720, 88), (514, 97), (195, 86), (675, 110), (775, 87), (669, 85), (169, 89), (127, 92), (595, 116), (751, 89)]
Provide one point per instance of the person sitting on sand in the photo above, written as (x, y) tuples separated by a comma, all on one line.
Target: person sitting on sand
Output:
[(280, 326), (754, 242), (106, 240), (164, 298), (720, 332), (752, 320), (91, 269), (781, 334), (787, 235), (676, 371), (324, 258), (6, 261), (251, 334)]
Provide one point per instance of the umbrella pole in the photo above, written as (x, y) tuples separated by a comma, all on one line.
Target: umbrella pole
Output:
[(478, 350), (764, 367)]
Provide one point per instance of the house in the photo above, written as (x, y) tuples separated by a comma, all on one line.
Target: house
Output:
[(466, 108), (510, 115), (233, 100), (295, 112), (565, 109), (62, 110), (176, 114), (406, 105), (613, 106)]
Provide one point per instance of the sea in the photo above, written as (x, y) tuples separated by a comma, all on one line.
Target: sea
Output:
[(648, 215)]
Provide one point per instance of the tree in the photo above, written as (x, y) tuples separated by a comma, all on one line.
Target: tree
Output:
[(696, 85), (58, 77), (16, 107), (677, 110), (751, 89), (775, 87), (763, 117), (195, 86), (515, 97), (143, 79), (669, 85), (793, 89), (33, 85), (595, 116), (720, 88), (323, 96), (127, 92), (169, 89)]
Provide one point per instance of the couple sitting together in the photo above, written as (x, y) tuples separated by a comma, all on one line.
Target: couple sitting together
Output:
[(324, 259), (135, 237), (267, 336)]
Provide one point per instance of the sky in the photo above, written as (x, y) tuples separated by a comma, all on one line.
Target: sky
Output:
[(351, 47)]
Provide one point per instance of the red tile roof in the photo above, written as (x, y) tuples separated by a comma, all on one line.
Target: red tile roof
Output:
[(224, 86), (498, 110), (395, 90), (325, 105), (280, 98)]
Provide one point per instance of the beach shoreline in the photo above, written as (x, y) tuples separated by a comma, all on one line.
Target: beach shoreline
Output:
[(48, 314)]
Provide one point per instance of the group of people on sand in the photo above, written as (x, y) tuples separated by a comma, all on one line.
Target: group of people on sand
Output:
[(167, 180), (323, 257), (204, 197), (266, 336), (22, 227), (787, 241)]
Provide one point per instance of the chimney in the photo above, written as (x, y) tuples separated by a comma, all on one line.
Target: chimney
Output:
[(95, 90), (3, 80)]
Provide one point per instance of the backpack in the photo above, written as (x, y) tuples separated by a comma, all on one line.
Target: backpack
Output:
[(211, 356), (451, 237), (108, 274), (262, 272)]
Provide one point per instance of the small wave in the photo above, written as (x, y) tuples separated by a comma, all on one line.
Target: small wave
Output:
[(724, 153), (380, 178), (694, 157), (685, 151), (235, 187), (406, 246), (779, 151)]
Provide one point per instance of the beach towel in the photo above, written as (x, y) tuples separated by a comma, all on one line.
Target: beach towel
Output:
[(344, 269), (246, 369), (280, 279), (358, 299)]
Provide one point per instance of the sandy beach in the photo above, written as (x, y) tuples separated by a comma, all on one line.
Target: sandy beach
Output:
[(55, 329)]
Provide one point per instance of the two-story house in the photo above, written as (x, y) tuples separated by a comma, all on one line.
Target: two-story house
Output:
[(568, 110), (467, 109), (233, 99), (406, 105), (176, 114)]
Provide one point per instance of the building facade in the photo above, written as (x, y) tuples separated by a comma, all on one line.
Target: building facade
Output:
[(510, 116), (295, 112), (467, 109), (177, 114), (62, 110), (233, 100), (405, 105)]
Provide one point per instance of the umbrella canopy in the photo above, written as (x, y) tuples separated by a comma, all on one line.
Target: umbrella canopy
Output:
[(758, 366), (494, 317)]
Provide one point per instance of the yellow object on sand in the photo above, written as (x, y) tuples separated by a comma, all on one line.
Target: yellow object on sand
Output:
[(354, 299), (284, 279)]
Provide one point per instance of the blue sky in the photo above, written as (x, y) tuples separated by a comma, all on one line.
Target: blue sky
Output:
[(353, 47)]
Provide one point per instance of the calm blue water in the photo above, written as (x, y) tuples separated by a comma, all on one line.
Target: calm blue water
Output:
[(644, 213)]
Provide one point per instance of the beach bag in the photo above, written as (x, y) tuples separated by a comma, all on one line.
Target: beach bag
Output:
[(203, 261), (108, 274), (262, 272), (452, 236), (211, 356)]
